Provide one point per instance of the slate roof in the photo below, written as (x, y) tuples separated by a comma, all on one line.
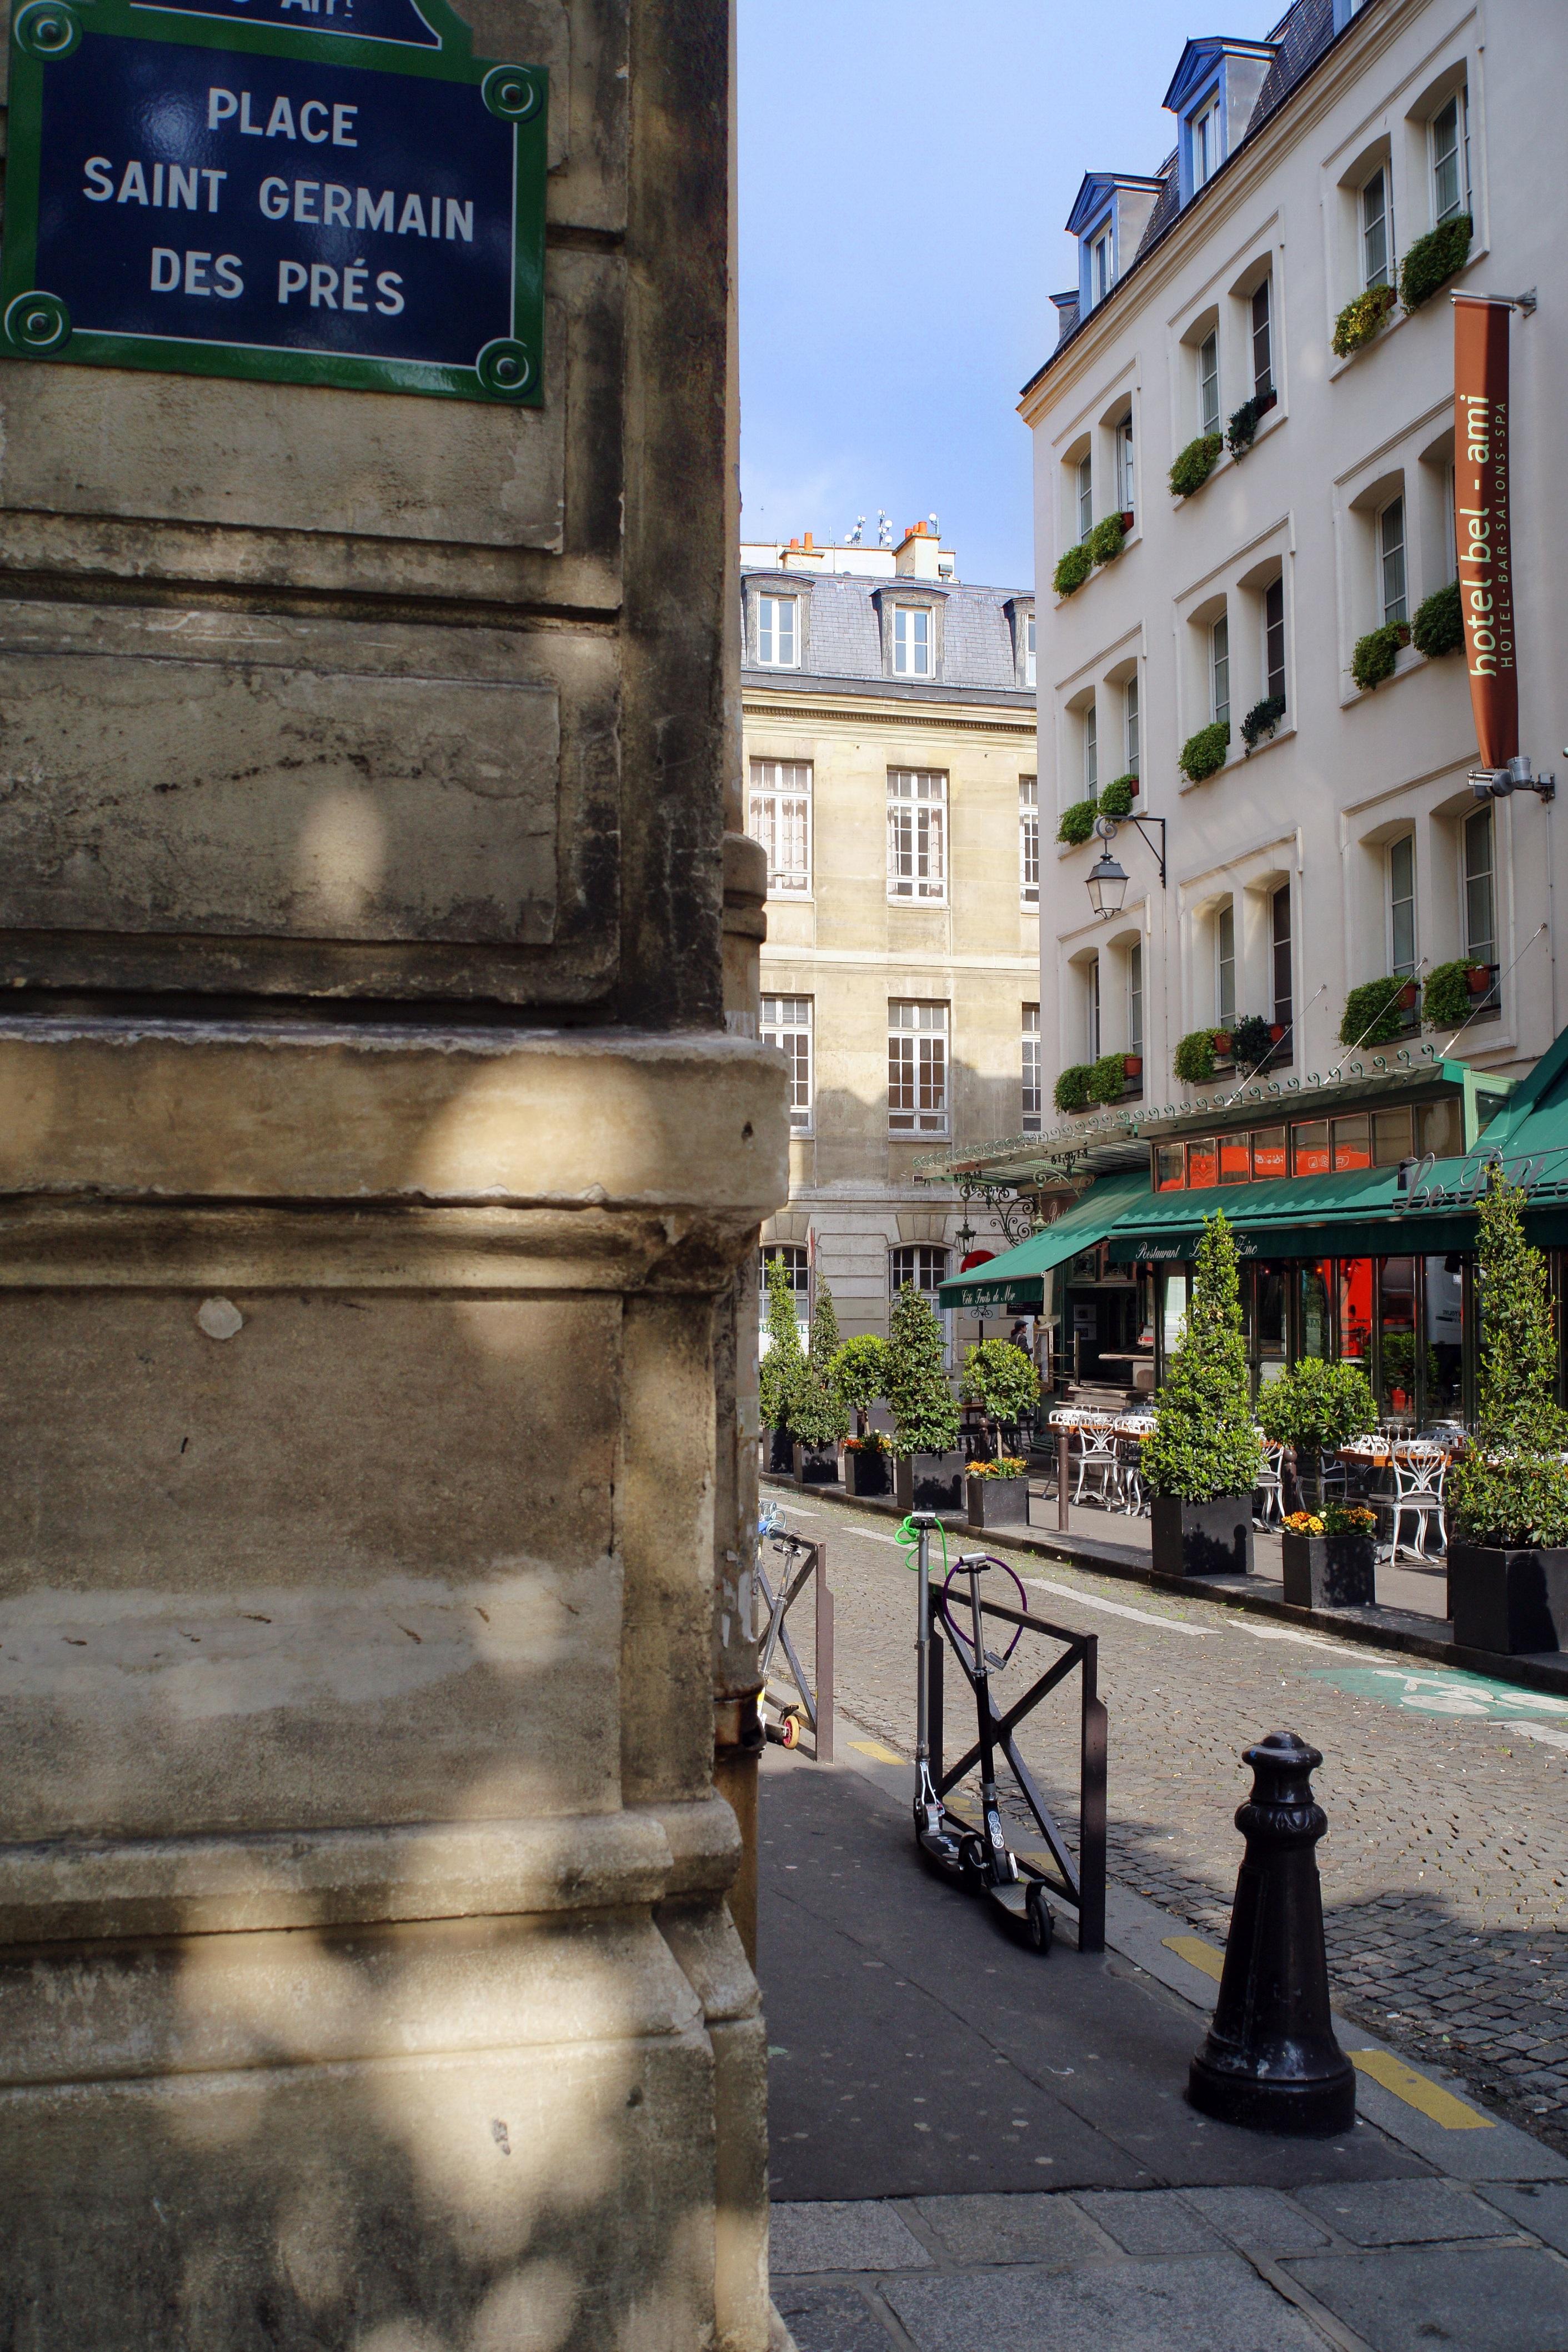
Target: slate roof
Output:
[(1301, 38), (844, 639)]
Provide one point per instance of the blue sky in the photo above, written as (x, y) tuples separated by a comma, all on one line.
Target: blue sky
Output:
[(904, 173)]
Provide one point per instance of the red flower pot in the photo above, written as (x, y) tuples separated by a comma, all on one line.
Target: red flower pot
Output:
[(1406, 1000), (1275, 1032), (1132, 1065), (1222, 1041), (1126, 519), (1479, 979)]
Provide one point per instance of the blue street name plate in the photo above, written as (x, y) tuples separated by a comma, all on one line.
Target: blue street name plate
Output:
[(276, 196)]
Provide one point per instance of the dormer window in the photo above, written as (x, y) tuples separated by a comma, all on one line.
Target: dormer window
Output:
[(914, 637), (1206, 142), (1101, 277), (779, 632)]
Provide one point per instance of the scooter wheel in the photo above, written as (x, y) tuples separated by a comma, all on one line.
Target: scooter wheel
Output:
[(789, 1731), (972, 1861), (1039, 1920)]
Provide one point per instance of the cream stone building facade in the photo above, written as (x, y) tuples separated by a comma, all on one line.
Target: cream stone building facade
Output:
[(889, 742), (1345, 843)]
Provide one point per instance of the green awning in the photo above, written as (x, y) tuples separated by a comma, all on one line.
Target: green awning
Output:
[(1359, 1213), (1016, 1280)]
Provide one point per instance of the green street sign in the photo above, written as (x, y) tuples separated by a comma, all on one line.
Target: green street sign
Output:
[(332, 191)]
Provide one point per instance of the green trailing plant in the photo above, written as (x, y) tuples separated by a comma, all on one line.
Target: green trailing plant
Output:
[(1360, 319), (1511, 1488), (1117, 800), (1194, 1057), (1076, 822), (1072, 569), (783, 1363), (1204, 1444), (1312, 1406), (1250, 1042), (999, 1378), (1195, 464), (1373, 657), (1433, 259), (1242, 429), (1262, 719), (1108, 1079), (1071, 1091), (859, 1374), (1203, 753), (925, 1415), (1371, 1015), (1438, 626), (1446, 1001), (1104, 541)]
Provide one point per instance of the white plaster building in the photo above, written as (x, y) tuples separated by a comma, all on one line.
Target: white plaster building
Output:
[(1347, 844)]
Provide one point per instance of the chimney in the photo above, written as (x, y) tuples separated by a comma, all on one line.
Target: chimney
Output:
[(917, 553)]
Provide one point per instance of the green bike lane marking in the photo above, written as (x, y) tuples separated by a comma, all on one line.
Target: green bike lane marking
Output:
[(1456, 1695)]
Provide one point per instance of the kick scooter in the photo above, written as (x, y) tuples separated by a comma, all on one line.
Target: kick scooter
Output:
[(980, 1862)]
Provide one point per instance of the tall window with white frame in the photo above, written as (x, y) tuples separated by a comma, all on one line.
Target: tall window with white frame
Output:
[(917, 833), (1132, 739), (1479, 888), (786, 1021), (1450, 138), (1029, 841), (923, 1265), (1091, 1009), (1091, 750), (1126, 478), (1401, 870), (1030, 1069), (1205, 156), (1274, 641), (781, 819), (1085, 498), (1225, 964), (1135, 997), (913, 641), (1102, 275), (1219, 671), (779, 632), (1279, 954), (1209, 384), (1391, 561), (917, 1067), (1376, 231), (1263, 339), (797, 1260), (1028, 677)]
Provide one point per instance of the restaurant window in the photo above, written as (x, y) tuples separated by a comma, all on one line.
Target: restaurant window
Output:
[(1396, 1371), (786, 1021), (1209, 385), (1440, 1128), (1173, 1312), (1236, 1159), (779, 632), (921, 1263), (1391, 563), (1390, 1138), (1480, 899), (781, 819), (1402, 906), (1443, 1355), (1309, 1148), (1351, 1142), (1274, 640), (1280, 942), (1170, 1167), (1132, 749), (1031, 1069), (1314, 1308), (916, 834), (1268, 1153), (1225, 964), (1203, 1163), (1270, 1290), (1220, 672), (1135, 998), (1375, 243), (916, 1069), (1029, 840), (1262, 342), (1355, 1310)]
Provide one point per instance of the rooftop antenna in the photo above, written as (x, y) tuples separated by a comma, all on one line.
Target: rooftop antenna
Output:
[(853, 538), (883, 527), (935, 528)]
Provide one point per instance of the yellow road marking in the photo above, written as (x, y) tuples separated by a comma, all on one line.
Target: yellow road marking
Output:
[(1200, 1955), (876, 1752), (1427, 2098)]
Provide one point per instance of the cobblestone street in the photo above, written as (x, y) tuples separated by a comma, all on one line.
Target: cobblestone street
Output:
[(1444, 1869)]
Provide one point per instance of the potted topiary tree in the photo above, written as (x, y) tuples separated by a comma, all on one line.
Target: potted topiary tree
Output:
[(781, 1366), (1312, 1407), (930, 1469), (1201, 1463), (1507, 1496), (817, 1414), (859, 1374), (1000, 1379)]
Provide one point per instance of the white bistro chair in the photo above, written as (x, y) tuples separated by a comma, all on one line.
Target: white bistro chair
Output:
[(1419, 1473), (1268, 1484)]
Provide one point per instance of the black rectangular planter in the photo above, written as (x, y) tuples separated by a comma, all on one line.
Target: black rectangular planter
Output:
[(998, 1502), (867, 1474), (1202, 1539), (1330, 1571), (1510, 1601), (930, 1482), (816, 1465)]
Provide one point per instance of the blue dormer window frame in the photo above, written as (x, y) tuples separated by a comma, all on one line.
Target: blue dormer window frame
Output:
[(1090, 293), (1211, 103), (1203, 79)]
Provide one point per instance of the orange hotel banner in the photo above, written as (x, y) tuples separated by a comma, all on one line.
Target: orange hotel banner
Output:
[(1481, 521)]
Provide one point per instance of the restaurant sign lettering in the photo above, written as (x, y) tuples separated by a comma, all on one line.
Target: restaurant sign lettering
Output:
[(319, 191)]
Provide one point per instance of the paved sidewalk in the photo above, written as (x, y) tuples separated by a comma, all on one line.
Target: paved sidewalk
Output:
[(974, 2149)]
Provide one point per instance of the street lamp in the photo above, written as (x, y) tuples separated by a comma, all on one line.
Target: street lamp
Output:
[(1106, 880)]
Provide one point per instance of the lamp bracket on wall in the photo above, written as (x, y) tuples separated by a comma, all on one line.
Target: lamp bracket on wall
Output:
[(1107, 878)]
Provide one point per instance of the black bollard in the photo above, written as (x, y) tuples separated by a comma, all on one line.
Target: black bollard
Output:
[(1270, 2061)]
